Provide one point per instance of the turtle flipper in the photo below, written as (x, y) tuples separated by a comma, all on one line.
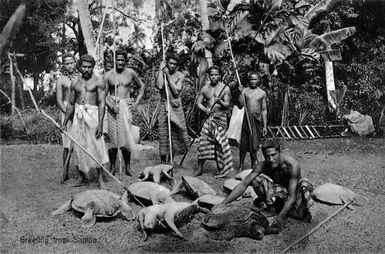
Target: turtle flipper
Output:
[(177, 188), (169, 177), (125, 209), (63, 208), (169, 218), (140, 219), (89, 219), (145, 174)]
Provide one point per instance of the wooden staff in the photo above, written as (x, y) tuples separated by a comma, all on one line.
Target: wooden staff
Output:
[(167, 97), (318, 226)]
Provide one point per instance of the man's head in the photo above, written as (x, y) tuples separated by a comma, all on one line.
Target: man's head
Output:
[(69, 62), (121, 58), (172, 61), (272, 152), (215, 74), (87, 64), (255, 79)]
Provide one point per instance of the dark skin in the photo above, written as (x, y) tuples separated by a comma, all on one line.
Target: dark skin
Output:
[(63, 87), (122, 81), (87, 89), (211, 95), (167, 70), (283, 170)]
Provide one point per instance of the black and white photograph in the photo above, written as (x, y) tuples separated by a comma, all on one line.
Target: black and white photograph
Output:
[(192, 126)]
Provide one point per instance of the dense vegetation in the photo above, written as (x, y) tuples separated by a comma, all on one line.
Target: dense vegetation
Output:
[(273, 37)]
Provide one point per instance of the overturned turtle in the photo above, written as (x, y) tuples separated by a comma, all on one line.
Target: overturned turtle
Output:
[(156, 172), (150, 193), (243, 174), (194, 186), (232, 221), (230, 184), (97, 203)]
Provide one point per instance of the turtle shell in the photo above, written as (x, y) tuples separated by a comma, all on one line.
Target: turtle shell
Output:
[(196, 187), (333, 194), (208, 201), (231, 221), (107, 204), (243, 174), (143, 190), (230, 184)]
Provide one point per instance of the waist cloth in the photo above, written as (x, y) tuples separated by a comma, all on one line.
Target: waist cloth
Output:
[(251, 142)]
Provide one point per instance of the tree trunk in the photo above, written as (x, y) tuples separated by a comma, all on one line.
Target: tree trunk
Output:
[(205, 27), (86, 26), (20, 88), (11, 72), (330, 86)]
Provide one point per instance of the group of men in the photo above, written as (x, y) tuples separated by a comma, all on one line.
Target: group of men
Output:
[(82, 99)]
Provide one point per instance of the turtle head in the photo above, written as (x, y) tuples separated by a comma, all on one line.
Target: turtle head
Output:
[(164, 197)]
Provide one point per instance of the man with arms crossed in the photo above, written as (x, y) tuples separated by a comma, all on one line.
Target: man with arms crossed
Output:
[(119, 109), (87, 105)]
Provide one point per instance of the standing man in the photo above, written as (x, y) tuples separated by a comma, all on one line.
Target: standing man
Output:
[(63, 91), (179, 137), (87, 105), (214, 100), (255, 99), (119, 109), (279, 184)]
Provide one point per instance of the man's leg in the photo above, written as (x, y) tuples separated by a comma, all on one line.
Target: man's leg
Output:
[(112, 152), (100, 178), (127, 161), (163, 159), (65, 166), (242, 156), (80, 178), (253, 158), (199, 171)]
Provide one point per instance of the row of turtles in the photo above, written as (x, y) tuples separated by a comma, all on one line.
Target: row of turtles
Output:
[(160, 209)]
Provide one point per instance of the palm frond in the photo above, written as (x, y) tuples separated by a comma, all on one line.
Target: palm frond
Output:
[(277, 52), (338, 35), (322, 9), (239, 17)]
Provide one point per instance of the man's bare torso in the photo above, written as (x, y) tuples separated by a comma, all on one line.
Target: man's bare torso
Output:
[(175, 77), (123, 82), (65, 83), (254, 99), (210, 93), (86, 91)]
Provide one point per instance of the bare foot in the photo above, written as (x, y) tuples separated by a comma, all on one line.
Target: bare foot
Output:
[(77, 183), (102, 186), (197, 172), (128, 171)]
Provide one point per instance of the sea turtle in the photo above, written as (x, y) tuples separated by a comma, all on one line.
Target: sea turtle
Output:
[(208, 201), (156, 172), (97, 203), (150, 193), (156, 217), (230, 221), (230, 184), (194, 186), (338, 195)]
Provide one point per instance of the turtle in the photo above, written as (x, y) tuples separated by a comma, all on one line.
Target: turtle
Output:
[(156, 217), (242, 175), (230, 184), (150, 193), (194, 186), (231, 221), (208, 201), (336, 194), (97, 203), (156, 172)]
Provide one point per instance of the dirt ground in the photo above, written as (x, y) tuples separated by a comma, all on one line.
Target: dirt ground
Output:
[(30, 192)]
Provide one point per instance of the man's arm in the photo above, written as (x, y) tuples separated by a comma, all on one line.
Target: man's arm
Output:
[(200, 101), (225, 100), (141, 86), (295, 173), (69, 111), (242, 186), (175, 87), (159, 79), (59, 95), (106, 85), (264, 114), (101, 94)]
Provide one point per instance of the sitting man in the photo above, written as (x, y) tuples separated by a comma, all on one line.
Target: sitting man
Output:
[(279, 184)]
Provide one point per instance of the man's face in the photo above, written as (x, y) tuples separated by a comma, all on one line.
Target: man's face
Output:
[(69, 64), (254, 80), (171, 64), (272, 157), (214, 76), (120, 62), (86, 69)]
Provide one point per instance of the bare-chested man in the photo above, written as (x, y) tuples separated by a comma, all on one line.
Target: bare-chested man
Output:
[(63, 87), (214, 144), (255, 99), (87, 105), (120, 106), (278, 183), (179, 137)]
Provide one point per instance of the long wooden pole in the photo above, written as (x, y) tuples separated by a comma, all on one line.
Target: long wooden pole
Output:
[(318, 226), (13, 101), (167, 97)]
